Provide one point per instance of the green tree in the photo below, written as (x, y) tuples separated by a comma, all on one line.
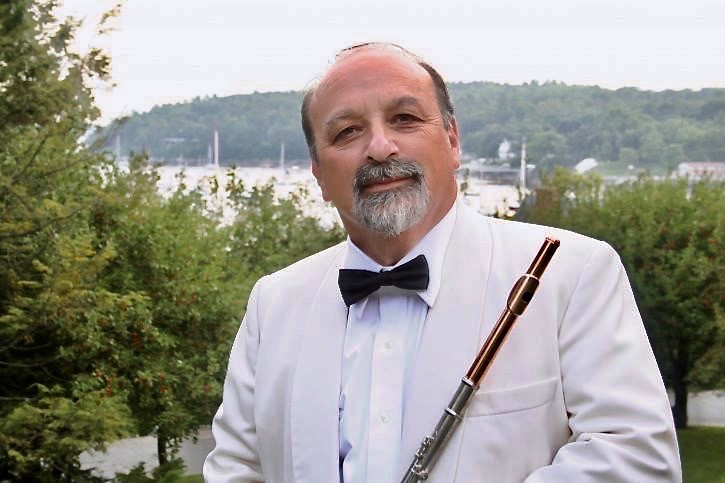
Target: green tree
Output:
[(670, 237), (547, 147), (42, 82), (653, 148), (117, 305), (672, 156), (564, 124), (267, 233), (173, 251), (196, 271), (628, 156), (60, 331)]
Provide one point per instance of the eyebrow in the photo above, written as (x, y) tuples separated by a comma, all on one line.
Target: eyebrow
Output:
[(406, 101), (400, 102), (339, 116)]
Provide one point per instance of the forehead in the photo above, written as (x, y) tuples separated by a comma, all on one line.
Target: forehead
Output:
[(368, 77)]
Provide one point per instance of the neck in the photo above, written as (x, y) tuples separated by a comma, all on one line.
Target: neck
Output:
[(388, 251)]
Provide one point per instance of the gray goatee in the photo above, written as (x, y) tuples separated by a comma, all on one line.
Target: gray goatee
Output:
[(392, 211)]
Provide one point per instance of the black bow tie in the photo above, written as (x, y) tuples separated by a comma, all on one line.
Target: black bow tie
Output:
[(355, 285)]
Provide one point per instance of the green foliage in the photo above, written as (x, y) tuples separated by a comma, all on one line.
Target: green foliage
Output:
[(670, 237), (117, 306), (251, 127), (171, 472), (42, 82), (562, 124), (172, 251), (42, 437), (709, 370), (195, 271), (60, 331), (267, 233), (565, 124)]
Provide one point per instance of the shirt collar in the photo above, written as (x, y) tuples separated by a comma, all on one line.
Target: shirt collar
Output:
[(433, 246)]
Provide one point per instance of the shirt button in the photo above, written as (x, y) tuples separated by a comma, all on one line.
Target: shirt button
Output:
[(388, 345), (384, 418)]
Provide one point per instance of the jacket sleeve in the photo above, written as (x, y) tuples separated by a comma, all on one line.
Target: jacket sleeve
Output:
[(234, 457), (619, 414)]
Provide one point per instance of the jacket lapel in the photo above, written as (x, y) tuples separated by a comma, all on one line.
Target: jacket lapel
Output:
[(316, 387), (450, 340)]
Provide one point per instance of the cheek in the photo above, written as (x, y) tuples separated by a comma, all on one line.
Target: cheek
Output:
[(343, 183), (336, 185), (336, 172)]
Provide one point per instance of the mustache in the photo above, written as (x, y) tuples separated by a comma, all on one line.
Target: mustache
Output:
[(393, 168)]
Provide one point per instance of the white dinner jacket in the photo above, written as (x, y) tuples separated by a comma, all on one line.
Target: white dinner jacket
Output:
[(573, 396)]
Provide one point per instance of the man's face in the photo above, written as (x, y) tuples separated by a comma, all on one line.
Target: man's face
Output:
[(382, 145)]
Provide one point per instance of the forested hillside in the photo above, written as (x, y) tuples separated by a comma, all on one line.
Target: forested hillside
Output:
[(562, 125)]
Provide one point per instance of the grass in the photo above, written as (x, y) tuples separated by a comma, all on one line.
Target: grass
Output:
[(702, 450)]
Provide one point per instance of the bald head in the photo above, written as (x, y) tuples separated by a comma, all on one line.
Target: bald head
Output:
[(405, 56)]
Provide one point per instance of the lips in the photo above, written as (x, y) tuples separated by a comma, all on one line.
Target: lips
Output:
[(383, 177), (387, 183)]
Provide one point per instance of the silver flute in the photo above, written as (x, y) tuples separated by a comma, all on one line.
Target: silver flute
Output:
[(518, 299)]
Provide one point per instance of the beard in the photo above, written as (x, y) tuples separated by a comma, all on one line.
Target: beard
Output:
[(390, 212)]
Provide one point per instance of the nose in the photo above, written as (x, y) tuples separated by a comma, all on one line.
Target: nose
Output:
[(382, 145)]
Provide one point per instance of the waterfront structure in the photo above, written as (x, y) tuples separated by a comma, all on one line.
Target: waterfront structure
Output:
[(714, 170)]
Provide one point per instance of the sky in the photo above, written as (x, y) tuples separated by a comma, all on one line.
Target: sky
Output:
[(168, 51)]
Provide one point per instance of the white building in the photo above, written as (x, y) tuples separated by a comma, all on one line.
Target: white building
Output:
[(585, 165), (504, 151), (715, 170)]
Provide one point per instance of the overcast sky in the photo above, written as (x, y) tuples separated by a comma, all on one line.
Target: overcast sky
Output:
[(172, 50)]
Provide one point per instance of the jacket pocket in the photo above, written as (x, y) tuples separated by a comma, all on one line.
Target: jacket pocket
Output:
[(485, 403)]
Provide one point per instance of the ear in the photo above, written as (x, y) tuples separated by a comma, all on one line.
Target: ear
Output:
[(455, 143), (317, 172)]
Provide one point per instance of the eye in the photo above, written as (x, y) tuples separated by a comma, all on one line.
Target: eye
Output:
[(347, 132), (405, 118)]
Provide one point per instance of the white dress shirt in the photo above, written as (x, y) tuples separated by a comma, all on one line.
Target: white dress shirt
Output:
[(379, 354)]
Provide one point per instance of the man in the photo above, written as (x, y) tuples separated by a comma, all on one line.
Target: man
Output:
[(327, 383)]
